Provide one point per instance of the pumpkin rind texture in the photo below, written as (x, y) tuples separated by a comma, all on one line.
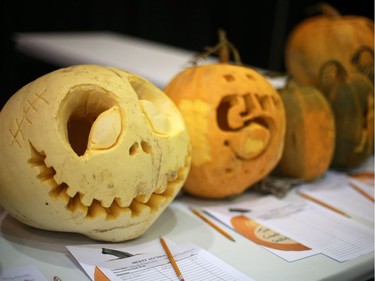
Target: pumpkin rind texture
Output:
[(310, 132), (93, 150), (236, 122), (320, 38), (351, 96)]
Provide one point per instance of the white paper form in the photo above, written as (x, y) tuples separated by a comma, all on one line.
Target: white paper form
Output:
[(236, 217), (88, 256), (309, 224), (24, 273), (335, 189), (321, 229), (194, 263)]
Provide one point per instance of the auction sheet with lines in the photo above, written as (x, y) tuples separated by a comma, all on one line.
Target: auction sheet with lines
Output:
[(149, 261), (195, 264)]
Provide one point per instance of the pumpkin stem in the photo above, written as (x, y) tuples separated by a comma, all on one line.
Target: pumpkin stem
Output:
[(290, 83), (325, 9), (329, 10), (224, 49)]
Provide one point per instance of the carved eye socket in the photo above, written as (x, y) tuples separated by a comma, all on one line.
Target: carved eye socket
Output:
[(90, 119), (160, 111)]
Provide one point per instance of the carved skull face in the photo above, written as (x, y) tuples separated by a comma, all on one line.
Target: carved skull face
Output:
[(91, 149), (236, 121)]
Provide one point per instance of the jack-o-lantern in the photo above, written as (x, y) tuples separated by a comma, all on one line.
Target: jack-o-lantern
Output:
[(351, 96), (329, 36), (93, 150), (236, 122)]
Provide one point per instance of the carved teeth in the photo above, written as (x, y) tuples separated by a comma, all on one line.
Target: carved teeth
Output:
[(124, 202), (143, 198), (91, 207)]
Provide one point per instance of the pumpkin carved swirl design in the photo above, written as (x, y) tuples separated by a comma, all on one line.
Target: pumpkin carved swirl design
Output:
[(250, 116)]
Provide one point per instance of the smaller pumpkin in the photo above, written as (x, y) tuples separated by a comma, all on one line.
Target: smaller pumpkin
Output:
[(351, 97), (310, 132), (329, 36)]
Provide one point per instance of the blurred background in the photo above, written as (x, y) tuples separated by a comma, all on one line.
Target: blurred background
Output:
[(257, 28)]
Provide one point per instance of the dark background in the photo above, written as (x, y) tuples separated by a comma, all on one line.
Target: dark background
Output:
[(257, 28)]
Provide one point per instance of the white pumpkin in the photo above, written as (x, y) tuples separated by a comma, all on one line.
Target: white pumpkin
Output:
[(93, 150)]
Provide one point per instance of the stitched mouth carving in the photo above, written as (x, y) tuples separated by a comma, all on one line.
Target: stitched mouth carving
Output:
[(73, 202)]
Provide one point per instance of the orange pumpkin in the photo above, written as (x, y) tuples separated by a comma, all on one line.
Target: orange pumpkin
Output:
[(310, 132), (329, 36), (236, 122), (351, 97)]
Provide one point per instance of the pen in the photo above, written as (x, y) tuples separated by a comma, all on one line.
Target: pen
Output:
[(117, 253), (171, 259), (239, 210), (323, 204), (212, 224)]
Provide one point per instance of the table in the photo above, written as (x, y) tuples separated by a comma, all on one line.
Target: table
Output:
[(22, 245)]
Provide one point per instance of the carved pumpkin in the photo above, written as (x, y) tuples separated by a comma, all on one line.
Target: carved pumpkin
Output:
[(92, 150), (310, 132), (363, 60), (351, 97), (329, 36), (236, 122)]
